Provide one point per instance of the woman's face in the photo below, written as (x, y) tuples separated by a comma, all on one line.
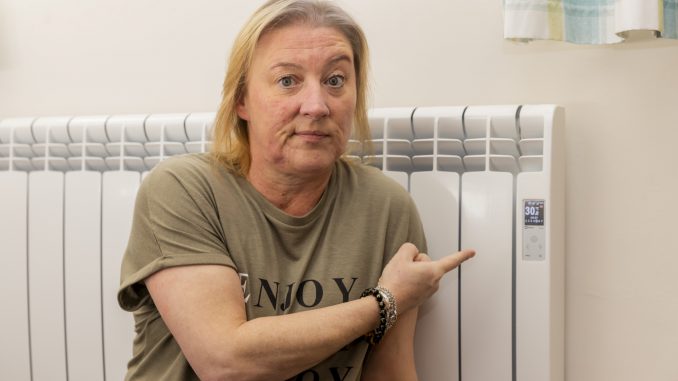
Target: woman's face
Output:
[(300, 100)]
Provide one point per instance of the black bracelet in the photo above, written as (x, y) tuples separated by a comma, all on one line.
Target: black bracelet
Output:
[(374, 337)]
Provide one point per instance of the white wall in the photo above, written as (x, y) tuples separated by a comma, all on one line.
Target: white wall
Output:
[(72, 57)]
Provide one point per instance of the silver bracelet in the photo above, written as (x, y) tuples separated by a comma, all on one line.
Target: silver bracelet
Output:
[(391, 307)]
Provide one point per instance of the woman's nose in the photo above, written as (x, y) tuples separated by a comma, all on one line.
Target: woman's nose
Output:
[(314, 102)]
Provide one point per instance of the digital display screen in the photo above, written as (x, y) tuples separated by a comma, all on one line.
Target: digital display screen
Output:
[(534, 212)]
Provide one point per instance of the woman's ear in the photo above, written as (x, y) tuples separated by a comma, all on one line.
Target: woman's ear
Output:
[(241, 108)]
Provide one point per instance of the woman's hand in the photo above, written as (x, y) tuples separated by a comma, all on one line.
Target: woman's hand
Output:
[(413, 277)]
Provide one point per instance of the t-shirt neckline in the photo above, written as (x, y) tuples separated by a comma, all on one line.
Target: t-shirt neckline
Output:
[(273, 212)]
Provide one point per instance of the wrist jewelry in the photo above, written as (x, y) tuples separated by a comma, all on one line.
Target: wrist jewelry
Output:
[(392, 310), (387, 313)]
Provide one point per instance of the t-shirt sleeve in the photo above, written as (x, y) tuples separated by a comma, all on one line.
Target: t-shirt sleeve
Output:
[(176, 223)]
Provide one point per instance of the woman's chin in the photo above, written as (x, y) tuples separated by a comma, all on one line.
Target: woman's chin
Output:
[(313, 164)]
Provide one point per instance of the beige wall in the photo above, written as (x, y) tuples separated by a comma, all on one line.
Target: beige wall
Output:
[(73, 57)]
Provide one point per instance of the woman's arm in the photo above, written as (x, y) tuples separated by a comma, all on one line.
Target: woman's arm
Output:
[(203, 307)]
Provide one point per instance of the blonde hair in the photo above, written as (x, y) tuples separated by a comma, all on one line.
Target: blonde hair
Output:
[(230, 142)]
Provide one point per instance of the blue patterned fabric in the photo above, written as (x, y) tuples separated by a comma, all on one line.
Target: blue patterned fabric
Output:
[(670, 19), (588, 21)]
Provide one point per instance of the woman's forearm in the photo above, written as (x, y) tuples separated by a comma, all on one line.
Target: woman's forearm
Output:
[(279, 347)]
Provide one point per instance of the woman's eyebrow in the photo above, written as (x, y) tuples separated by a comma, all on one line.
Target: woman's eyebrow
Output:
[(339, 58), (285, 65)]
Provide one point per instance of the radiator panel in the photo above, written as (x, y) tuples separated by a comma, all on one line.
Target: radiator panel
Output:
[(46, 277), (436, 343), (82, 271), (14, 346), (486, 281)]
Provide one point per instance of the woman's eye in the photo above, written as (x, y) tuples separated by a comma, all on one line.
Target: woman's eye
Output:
[(286, 81), (335, 81)]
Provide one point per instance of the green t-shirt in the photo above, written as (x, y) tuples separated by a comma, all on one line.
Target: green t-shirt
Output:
[(190, 210)]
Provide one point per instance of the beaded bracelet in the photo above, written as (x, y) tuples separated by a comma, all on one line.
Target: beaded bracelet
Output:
[(387, 313)]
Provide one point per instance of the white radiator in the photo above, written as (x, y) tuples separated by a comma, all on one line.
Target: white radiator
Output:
[(483, 177)]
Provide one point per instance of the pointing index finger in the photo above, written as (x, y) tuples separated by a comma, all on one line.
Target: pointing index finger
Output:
[(452, 261)]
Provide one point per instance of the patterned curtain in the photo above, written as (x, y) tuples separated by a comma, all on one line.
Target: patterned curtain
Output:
[(588, 21)]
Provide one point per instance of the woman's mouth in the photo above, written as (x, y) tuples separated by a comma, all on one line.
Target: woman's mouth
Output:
[(311, 135)]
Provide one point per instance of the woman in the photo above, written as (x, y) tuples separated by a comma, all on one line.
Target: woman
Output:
[(249, 263)]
